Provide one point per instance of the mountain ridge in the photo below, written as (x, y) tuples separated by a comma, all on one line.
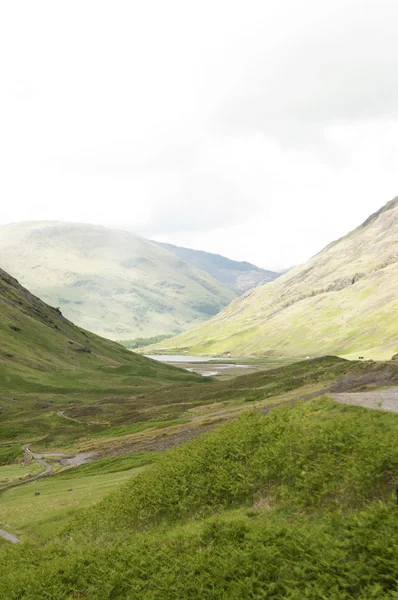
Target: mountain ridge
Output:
[(108, 281), (42, 351), (240, 276)]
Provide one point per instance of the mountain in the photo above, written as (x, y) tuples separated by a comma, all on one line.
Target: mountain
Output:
[(111, 282), (342, 301), (238, 276), (42, 352)]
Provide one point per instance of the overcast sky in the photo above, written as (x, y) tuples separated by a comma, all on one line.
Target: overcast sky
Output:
[(260, 130)]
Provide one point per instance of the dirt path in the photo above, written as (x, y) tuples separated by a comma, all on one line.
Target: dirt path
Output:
[(378, 400), (10, 537), (60, 413), (66, 460), (38, 457)]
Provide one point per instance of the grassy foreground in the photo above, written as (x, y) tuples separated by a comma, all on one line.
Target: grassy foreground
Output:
[(296, 504)]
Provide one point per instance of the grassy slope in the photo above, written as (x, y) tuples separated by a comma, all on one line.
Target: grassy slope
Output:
[(47, 363), (110, 282), (295, 505), (343, 301)]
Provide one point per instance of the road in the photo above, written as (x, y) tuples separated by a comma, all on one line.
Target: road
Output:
[(40, 459), (72, 461)]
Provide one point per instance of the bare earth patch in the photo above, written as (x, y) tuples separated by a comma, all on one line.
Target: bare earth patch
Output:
[(10, 537), (379, 400)]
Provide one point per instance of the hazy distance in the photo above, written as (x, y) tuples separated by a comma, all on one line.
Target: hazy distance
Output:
[(260, 131)]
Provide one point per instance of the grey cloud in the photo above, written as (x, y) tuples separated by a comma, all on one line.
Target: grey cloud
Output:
[(176, 157), (343, 69), (204, 202)]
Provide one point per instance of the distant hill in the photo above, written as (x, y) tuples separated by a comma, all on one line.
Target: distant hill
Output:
[(238, 276), (41, 352), (111, 282), (342, 301)]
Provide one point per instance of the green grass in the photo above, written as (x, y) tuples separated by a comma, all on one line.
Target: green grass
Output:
[(38, 517), (298, 504), (140, 342), (318, 453), (19, 471), (137, 427), (113, 464), (315, 375), (43, 369), (9, 453)]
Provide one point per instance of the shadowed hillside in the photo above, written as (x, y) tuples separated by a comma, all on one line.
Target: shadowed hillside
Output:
[(41, 351)]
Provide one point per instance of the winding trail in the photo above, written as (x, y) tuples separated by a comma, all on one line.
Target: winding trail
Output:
[(60, 413), (10, 537), (72, 460), (40, 459)]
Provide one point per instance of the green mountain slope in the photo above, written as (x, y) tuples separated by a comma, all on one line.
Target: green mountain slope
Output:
[(238, 276), (297, 504), (342, 301), (111, 282), (42, 352)]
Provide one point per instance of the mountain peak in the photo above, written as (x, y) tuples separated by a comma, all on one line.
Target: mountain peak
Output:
[(374, 216)]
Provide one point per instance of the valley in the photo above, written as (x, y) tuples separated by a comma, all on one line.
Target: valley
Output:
[(199, 300), (342, 301), (117, 284), (120, 437), (209, 471)]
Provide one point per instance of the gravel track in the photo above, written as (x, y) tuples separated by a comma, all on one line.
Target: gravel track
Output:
[(386, 399)]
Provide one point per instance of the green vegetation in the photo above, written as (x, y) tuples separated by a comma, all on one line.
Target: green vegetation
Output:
[(48, 364), (296, 504), (18, 472), (113, 464), (328, 373), (343, 301), (39, 517), (137, 427), (114, 283), (140, 342), (10, 453), (314, 454)]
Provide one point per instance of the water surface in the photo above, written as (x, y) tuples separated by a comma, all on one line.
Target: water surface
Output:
[(172, 358)]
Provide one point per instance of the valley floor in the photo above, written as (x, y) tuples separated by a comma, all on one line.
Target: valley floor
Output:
[(196, 408)]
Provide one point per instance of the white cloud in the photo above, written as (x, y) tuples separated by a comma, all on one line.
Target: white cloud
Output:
[(258, 130)]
